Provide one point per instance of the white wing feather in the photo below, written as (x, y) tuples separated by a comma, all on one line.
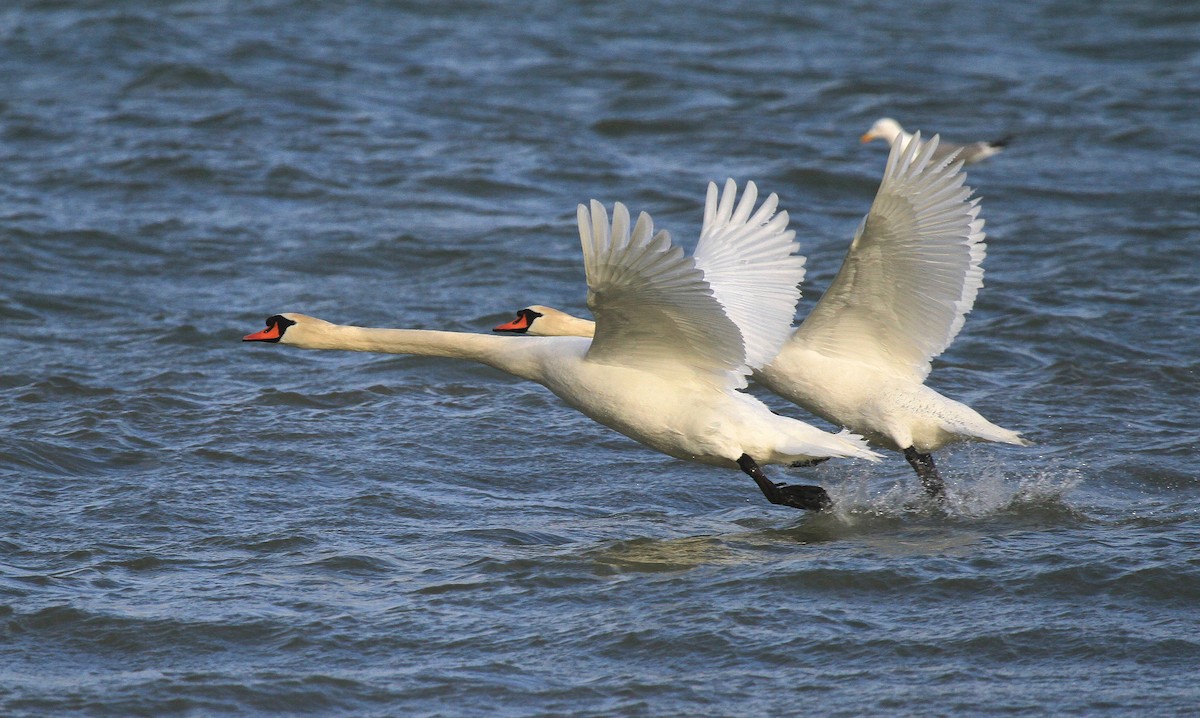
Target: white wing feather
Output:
[(912, 271), (652, 306), (748, 258)]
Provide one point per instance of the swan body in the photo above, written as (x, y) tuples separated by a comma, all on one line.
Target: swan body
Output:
[(885, 409), (861, 357), (667, 360), (890, 131)]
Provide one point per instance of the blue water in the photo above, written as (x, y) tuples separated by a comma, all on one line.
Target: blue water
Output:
[(193, 526)]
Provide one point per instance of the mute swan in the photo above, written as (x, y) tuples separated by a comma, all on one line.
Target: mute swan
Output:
[(861, 357), (889, 130), (672, 346)]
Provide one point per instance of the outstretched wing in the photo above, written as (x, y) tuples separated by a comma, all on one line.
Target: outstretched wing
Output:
[(748, 258), (912, 271), (652, 306)]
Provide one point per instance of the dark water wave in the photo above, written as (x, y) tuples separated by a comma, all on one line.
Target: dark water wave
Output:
[(196, 526)]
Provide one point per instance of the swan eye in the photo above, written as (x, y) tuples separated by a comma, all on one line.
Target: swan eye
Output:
[(527, 316), (279, 323)]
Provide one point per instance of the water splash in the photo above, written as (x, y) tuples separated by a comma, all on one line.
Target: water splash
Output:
[(978, 485)]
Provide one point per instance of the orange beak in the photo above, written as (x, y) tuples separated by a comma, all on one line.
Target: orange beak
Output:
[(866, 138), (520, 324), (269, 334)]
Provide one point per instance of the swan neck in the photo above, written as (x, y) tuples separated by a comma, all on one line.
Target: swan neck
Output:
[(576, 327), (497, 351)]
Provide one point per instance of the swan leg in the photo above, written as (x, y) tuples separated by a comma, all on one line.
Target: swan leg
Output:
[(810, 498), (927, 472)]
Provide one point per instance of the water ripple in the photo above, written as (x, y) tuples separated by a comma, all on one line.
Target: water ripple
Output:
[(195, 525)]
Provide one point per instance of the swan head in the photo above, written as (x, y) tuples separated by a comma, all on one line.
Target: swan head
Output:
[(539, 321), (290, 328), (885, 128)]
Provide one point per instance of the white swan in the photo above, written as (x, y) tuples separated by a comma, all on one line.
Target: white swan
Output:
[(668, 357), (861, 357), (887, 129)]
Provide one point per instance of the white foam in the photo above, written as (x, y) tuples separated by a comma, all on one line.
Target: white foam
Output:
[(979, 484)]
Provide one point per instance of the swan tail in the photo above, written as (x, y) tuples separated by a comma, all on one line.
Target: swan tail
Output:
[(1001, 435), (814, 444), (983, 430), (857, 446)]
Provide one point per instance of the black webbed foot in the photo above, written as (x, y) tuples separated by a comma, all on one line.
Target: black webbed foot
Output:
[(802, 496), (799, 496)]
